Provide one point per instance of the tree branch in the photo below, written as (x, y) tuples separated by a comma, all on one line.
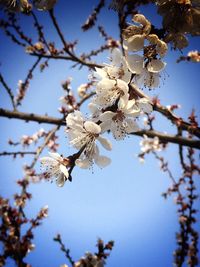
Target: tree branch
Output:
[(41, 148), (8, 90), (166, 138), (64, 249), (73, 57), (20, 153), (178, 121), (61, 122), (23, 89), (30, 117)]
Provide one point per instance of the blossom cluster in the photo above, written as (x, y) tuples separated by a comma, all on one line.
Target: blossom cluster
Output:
[(14, 222), (26, 6), (89, 260), (27, 140), (97, 259), (150, 144), (179, 26), (116, 107), (146, 67)]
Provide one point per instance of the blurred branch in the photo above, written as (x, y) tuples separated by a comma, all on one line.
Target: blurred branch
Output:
[(8, 90), (90, 22), (64, 249), (13, 24), (39, 28), (25, 84), (20, 153), (5, 25)]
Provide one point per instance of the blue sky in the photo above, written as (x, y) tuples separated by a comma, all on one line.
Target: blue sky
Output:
[(121, 202)]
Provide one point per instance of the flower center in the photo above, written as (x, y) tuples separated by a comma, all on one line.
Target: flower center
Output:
[(150, 52), (119, 116)]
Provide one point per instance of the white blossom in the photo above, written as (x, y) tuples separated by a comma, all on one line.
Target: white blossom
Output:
[(146, 73), (83, 134), (144, 105), (135, 39), (95, 111), (55, 166), (150, 144), (108, 91), (116, 70), (137, 64), (122, 121), (146, 67), (135, 42), (90, 260)]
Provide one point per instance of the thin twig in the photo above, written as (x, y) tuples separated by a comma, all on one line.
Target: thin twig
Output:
[(64, 249), (85, 98), (21, 95), (39, 29), (74, 59), (67, 50), (8, 90), (41, 148), (20, 153), (179, 122)]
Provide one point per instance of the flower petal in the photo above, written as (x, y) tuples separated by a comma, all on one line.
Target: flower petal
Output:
[(105, 126), (107, 115), (132, 126), (130, 104), (92, 127), (123, 86), (135, 112), (135, 42), (74, 118), (83, 163), (118, 131), (100, 73), (144, 105), (155, 65), (64, 171), (102, 161), (47, 160), (105, 143), (105, 84), (60, 181), (93, 108), (135, 63), (116, 56), (152, 80), (56, 156)]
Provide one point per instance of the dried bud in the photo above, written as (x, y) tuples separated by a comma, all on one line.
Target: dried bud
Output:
[(44, 4), (153, 38), (161, 48)]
